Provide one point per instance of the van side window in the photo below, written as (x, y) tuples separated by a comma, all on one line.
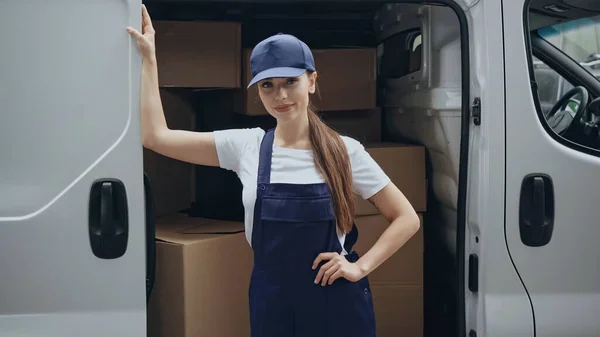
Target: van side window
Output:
[(562, 56), (400, 54), (551, 86)]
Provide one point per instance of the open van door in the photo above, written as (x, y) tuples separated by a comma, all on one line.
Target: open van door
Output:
[(72, 223), (552, 222)]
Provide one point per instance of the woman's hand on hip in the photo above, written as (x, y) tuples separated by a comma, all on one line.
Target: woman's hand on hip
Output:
[(336, 267), (145, 40)]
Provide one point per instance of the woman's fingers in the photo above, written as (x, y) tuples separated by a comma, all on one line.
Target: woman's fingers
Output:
[(334, 268), (146, 20), (323, 257), (339, 273), (145, 39), (328, 269), (322, 271), (134, 32)]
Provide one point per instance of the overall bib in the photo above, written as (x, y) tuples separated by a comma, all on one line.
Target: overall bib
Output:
[(293, 224)]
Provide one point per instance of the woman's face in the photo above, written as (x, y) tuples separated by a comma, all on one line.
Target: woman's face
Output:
[(287, 98)]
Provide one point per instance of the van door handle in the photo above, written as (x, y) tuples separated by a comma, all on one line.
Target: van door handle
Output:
[(108, 219), (536, 210)]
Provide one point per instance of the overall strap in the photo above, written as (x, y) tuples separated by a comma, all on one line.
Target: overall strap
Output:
[(264, 161)]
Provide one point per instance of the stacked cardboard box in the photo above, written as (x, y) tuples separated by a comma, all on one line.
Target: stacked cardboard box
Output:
[(172, 180), (364, 125), (405, 165), (346, 80), (203, 266), (198, 54), (203, 269), (397, 285)]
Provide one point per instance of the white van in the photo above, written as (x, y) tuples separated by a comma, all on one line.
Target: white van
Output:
[(511, 230)]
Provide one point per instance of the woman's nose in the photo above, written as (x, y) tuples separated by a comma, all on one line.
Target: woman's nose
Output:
[(281, 94)]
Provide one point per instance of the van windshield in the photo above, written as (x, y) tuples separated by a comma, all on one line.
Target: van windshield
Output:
[(579, 39)]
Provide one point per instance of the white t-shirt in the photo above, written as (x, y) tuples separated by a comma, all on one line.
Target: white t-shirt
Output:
[(238, 150)]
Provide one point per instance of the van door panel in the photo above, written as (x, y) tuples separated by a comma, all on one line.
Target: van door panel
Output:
[(558, 267), (69, 97)]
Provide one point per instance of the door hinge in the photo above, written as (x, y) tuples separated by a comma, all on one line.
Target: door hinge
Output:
[(473, 272), (476, 111)]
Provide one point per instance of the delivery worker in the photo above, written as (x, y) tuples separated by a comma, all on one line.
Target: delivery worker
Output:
[(298, 182)]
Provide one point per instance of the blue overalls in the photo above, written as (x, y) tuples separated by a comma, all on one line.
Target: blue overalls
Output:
[(293, 224)]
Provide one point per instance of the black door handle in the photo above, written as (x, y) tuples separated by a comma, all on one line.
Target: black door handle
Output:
[(108, 219), (536, 210), (150, 236)]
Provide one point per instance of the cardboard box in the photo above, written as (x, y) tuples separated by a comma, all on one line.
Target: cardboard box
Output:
[(397, 284), (346, 81), (398, 310), (203, 270), (198, 54), (405, 267), (362, 125), (405, 165), (171, 180)]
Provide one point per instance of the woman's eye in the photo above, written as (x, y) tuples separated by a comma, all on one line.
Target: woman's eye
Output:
[(292, 81), (266, 85)]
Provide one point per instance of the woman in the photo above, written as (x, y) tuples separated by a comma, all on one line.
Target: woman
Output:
[(298, 181)]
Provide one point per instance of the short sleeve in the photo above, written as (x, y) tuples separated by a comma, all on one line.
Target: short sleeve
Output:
[(368, 177), (232, 144)]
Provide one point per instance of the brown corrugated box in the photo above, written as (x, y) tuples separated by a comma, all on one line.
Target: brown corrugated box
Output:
[(171, 180), (203, 270), (397, 284), (398, 310), (346, 81), (195, 54), (405, 165), (405, 266), (362, 125)]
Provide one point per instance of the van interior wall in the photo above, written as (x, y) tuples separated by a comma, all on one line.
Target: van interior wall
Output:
[(422, 108), (425, 107)]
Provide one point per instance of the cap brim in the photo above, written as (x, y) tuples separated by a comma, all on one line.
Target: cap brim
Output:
[(277, 72)]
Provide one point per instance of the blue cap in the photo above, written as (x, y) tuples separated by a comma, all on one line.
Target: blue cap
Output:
[(280, 55)]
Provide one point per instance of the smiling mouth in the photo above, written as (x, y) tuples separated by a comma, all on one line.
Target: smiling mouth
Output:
[(282, 108)]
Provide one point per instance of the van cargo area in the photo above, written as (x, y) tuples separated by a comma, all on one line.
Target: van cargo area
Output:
[(389, 75)]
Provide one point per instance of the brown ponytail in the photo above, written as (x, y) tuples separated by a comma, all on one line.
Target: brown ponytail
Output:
[(331, 159)]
